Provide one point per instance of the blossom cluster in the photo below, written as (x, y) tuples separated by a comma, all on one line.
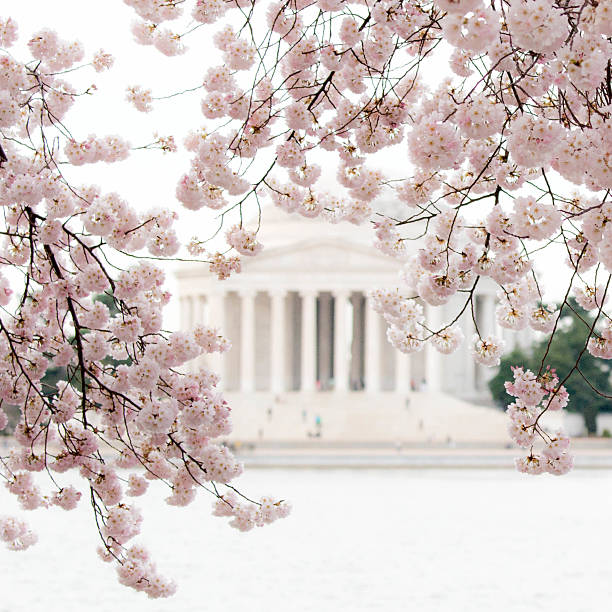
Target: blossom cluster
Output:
[(527, 105), (534, 396), (133, 403), (16, 534), (109, 149), (246, 516)]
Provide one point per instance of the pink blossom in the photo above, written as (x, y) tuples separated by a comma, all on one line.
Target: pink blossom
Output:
[(8, 32), (433, 145), (487, 351), (243, 240), (537, 25), (102, 61), (67, 498), (140, 98), (16, 534)]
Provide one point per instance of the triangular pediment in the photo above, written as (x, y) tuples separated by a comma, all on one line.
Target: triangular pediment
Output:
[(314, 262), (324, 254)]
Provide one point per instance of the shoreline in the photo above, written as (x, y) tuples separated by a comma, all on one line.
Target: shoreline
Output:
[(589, 454), (410, 462)]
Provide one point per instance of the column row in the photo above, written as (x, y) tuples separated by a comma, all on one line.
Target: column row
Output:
[(338, 344)]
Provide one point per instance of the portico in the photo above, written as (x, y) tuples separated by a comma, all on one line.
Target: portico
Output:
[(299, 319), (333, 341)]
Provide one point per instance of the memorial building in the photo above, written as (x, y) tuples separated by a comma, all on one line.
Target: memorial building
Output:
[(305, 339)]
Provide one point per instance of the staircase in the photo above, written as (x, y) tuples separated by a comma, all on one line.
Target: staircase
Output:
[(359, 418)]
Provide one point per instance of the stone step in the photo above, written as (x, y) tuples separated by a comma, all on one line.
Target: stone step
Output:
[(391, 418)]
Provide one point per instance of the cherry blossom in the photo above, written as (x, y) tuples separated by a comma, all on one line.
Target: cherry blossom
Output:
[(506, 154)]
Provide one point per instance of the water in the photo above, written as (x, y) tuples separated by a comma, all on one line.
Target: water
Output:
[(431, 541)]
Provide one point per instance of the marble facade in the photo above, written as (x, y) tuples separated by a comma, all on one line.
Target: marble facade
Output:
[(299, 318)]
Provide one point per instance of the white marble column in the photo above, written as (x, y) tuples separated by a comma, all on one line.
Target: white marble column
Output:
[(247, 341), (469, 378), (403, 375), (433, 359), (187, 303), (278, 358), (372, 348), (183, 313), (355, 371), (309, 340), (341, 348), (491, 327), (199, 318), (489, 320), (215, 317), (324, 340), (200, 310), (215, 310)]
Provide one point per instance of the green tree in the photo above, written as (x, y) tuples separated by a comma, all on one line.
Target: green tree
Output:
[(565, 348)]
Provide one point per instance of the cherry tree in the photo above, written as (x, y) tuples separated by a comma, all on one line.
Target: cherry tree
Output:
[(504, 156)]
